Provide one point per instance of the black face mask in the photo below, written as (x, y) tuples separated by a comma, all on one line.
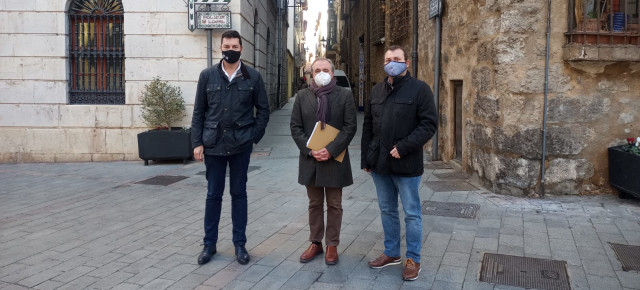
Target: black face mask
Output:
[(231, 56)]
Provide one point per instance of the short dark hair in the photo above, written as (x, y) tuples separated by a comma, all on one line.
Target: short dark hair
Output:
[(231, 34), (394, 47)]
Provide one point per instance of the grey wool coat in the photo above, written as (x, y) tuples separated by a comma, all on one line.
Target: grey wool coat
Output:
[(330, 173)]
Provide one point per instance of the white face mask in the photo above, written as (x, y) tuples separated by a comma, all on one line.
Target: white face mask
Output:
[(322, 79)]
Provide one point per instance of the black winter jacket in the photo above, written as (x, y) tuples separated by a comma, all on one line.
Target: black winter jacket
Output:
[(223, 113), (401, 115)]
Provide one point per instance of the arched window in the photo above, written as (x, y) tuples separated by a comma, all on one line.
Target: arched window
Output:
[(96, 52)]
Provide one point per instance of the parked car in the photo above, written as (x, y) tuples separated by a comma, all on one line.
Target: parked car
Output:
[(341, 79)]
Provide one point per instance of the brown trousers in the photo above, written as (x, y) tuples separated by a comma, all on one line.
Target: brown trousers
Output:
[(316, 214)]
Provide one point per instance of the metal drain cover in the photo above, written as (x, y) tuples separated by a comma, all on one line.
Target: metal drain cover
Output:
[(524, 272), (162, 180), (628, 255), (450, 209)]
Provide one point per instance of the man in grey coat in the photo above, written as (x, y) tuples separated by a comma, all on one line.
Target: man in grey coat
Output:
[(324, 176)]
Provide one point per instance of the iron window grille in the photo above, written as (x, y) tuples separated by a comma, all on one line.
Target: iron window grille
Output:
[(603, 22), (378, 12), (400, 13), (96, 52)]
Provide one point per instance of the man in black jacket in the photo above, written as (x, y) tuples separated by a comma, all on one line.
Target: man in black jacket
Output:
[(399, 119), (223, 130)]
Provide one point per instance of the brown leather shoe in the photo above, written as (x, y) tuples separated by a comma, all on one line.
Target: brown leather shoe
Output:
[(384, 261), (310, 253), (411, 270), (331, 256)]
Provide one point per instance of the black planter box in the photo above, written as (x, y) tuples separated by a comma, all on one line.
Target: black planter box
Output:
[(164, 145), (624, 171)]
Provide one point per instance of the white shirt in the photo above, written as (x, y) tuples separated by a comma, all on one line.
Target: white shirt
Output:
[(233, 75)]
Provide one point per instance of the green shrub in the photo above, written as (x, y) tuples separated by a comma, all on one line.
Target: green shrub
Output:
[(162, 104)]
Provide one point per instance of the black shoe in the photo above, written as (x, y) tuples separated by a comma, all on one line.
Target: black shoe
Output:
[(207, 253), (242, 255)]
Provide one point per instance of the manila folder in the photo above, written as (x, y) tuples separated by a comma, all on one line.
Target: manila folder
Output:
[(320, 138)]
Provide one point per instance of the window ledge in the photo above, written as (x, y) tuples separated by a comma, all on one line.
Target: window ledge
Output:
[(602, 52)]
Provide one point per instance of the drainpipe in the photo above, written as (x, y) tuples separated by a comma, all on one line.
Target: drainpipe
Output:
[(436, 87), (209, 48), (414, 51), (279, 52), (546, 90)]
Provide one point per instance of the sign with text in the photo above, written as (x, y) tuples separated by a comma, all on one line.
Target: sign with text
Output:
[(191, 24), (435, 8), (213, 19)]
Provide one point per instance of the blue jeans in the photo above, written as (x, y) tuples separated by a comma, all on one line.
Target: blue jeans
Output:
[(216, 170), (388, 188)]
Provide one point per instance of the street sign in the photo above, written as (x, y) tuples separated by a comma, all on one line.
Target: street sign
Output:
[(192, 10), (213, 19), (435, 8)]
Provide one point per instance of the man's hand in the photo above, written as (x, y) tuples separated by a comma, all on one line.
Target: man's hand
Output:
[(394, 152), (198, 153), (321, 155)]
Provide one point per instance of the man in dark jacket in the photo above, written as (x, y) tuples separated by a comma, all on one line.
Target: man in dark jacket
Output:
[(223, 130), (399, 119), (324, 176)]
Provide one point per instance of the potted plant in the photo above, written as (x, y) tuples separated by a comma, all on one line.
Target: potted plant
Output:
[(624, 168), (162, 106)]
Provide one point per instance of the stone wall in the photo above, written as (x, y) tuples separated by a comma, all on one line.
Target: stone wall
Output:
[(497, 48), (36, 122)]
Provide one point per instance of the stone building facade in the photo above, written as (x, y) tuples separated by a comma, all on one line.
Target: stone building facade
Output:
[(38, 121), (492, 91)]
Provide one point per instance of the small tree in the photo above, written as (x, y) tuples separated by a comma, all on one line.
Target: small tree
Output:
[(162, 104)]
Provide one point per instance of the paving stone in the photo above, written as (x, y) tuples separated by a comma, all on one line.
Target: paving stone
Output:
[(598, 268), (240, 285), (112, 280), (600, 282), (126, 286), (460, 246), (286, 269), (158, 284), (451, 274), (302, 280), (255, 273), (46, 285), (147, 276), (80, 283), (270, 282), (629, 279), (455, 259), (189, 282), (446, 285), (485, 244)]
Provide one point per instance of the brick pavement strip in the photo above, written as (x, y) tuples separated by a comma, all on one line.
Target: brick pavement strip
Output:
[(88, 225)]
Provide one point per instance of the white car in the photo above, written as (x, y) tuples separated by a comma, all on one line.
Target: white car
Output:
[(341, 79)]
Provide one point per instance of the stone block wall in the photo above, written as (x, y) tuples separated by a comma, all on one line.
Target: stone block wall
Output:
[(36, 122), (497, 48)]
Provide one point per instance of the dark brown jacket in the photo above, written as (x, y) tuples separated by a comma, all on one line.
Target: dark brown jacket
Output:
[(330, 173)]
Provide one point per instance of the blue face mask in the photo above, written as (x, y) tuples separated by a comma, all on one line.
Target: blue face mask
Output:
[(394, 68)]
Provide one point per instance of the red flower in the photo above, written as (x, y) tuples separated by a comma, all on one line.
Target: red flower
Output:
[(630, 141), (159, 128)]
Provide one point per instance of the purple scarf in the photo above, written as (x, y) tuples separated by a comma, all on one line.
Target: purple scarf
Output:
[(324, 110)]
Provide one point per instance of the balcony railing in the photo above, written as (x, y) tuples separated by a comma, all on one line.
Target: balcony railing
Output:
[(609, 22)]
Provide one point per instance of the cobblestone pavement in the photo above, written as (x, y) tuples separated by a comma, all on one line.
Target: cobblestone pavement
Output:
[(92, 226)]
